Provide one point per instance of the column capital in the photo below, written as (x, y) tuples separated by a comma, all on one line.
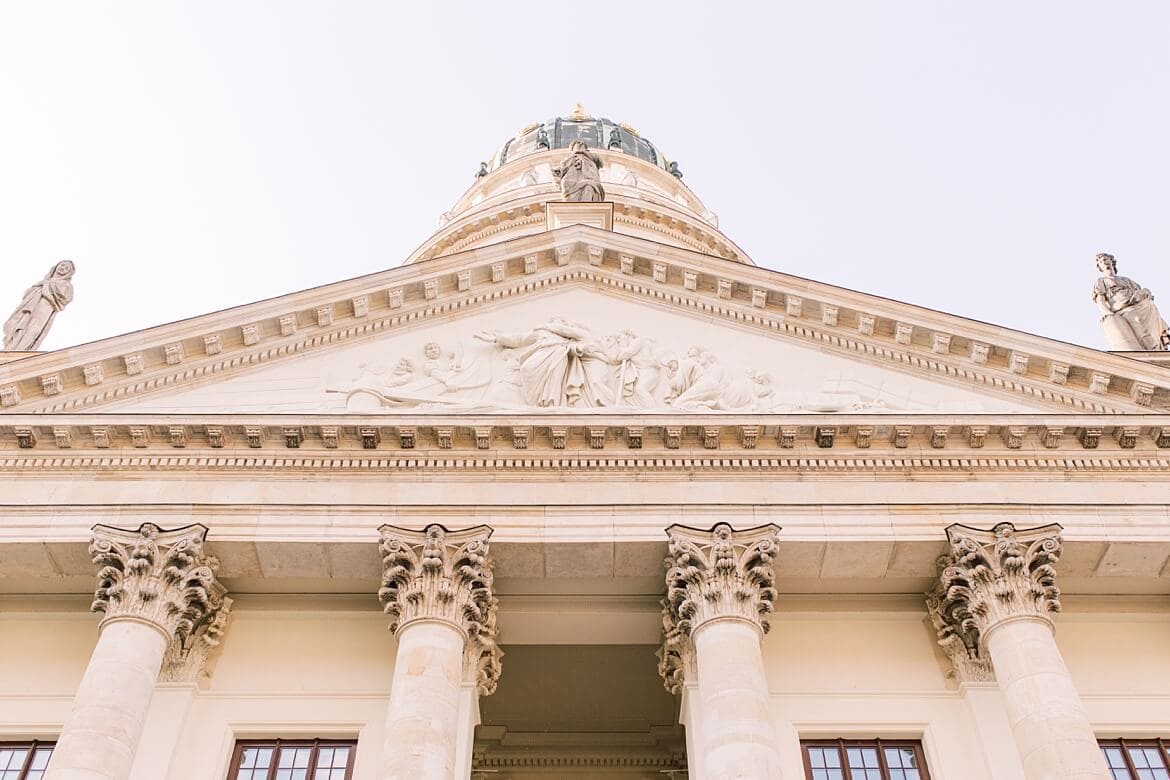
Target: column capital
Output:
[(992, 576), (157, 576), (958, 638), (192, 660), (712, 574), (443, 575)]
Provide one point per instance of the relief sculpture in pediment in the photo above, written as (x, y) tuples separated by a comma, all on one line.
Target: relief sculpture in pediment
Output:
[(561, 365)]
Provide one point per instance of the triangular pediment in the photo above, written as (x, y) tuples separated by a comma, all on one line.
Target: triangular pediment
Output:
[(576, 319), (574, 348)]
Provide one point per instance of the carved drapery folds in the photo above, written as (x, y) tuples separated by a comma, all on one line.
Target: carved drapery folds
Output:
[(993, 576), (713, 574), (436, 574), (160, 577)]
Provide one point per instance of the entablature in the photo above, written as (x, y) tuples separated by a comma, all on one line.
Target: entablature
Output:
[(831, 443)]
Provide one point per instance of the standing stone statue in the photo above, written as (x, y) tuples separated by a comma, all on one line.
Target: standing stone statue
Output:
[(579, 175), (1129, 317), (29, 324)]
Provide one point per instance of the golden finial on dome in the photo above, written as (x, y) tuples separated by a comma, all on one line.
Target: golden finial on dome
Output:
[(578, 113)]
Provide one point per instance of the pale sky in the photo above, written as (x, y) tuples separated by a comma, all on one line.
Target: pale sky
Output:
[(969, 157)]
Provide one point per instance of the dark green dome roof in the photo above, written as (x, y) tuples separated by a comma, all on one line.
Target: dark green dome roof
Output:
[(596, 132)]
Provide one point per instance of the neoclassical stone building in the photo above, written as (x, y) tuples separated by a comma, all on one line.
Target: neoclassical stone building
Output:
[(870, 513)]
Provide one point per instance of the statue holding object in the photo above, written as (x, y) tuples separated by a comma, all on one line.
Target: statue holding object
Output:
[(579, 175)]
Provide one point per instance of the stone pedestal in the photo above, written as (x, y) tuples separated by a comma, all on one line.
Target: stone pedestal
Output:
[(437, 590), (719, 593), (996, 592), (156, 588)]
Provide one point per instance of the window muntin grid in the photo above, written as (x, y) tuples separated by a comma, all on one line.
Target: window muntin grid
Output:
[(874, 759), (24, 760), (1137, 759), (279, 759)]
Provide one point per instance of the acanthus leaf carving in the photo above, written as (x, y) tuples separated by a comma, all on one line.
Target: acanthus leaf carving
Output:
[(713, 574), (437, 574), (991, 576), (158, 576), (957, 636), (191, 660)]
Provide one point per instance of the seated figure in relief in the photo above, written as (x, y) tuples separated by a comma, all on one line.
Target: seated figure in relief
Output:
[(1129, 317)]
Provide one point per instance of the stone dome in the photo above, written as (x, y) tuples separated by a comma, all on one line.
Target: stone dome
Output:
[(596, 132)]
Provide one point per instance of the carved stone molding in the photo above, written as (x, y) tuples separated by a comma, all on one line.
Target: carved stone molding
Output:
[(407, 304), (157, 576), (437, 574), (991, 576), (191, 660), (713, 574), (958, 638)]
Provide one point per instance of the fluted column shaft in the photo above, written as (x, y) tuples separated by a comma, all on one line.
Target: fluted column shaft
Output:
[(156, 587), (998, 589), (437, 590), (719, 594)]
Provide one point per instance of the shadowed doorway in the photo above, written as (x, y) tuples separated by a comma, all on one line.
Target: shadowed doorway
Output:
[(581, 712)]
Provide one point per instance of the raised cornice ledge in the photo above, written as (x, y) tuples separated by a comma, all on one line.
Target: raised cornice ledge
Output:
[(156, 576), (437, 574), (993, 576), (713, 574), (888, 333)]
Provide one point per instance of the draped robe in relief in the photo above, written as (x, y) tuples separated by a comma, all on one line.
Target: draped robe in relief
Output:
[(558, 366)]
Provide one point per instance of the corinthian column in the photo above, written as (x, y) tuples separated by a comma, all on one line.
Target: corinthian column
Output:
[(997, 591), (719, 593), (437, 590), (157, 589)]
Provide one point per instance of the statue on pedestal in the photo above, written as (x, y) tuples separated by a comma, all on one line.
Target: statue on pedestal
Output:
[(1129, 317), (579, 175), (29, 324)]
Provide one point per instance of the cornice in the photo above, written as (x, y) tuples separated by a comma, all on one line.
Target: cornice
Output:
[(882, 332), (456, 444)]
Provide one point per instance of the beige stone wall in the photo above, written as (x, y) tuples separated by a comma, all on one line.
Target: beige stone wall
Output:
[(835, 666)]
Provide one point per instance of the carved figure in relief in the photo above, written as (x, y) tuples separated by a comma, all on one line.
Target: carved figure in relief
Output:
[(560, 364), (1129, 317), (564, 365), (29, 324), (579, 175), (412, 383)]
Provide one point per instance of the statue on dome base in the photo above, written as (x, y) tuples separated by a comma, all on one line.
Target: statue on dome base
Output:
[(579, 175), (1129, 317), (29, 324)]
